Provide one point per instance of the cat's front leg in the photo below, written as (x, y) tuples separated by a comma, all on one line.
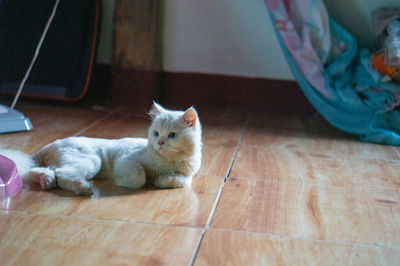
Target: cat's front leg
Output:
[(128, 173), (172, 181)]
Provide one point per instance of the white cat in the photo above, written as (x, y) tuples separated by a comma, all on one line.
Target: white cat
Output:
[(168, 158)]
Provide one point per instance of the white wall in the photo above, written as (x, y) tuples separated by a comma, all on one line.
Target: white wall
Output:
[(231, 37)]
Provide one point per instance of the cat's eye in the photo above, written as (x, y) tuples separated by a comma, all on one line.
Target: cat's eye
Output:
[(172, 135), (155, 133)]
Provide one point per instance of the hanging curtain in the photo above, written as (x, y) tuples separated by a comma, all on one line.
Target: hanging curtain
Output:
[(333, 74)]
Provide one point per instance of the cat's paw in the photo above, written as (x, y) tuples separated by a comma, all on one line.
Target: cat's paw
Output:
[(172, 181), (82, 188), (43, 176), (68, 179)]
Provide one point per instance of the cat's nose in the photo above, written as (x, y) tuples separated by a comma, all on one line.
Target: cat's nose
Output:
[(160, 142)]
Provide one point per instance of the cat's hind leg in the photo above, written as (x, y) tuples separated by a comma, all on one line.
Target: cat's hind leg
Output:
[(75, 171), (128, 173), (71, 178), (67, 178)]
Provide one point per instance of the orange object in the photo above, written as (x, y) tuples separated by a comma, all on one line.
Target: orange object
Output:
[(378, 62)]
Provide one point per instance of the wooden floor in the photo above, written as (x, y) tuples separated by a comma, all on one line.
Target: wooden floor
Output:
[(273, 189)]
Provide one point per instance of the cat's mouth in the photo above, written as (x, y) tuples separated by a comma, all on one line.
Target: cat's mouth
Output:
[(165, 150)]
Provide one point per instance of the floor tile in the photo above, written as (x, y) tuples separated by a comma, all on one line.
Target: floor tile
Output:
[(32, 239), (310, 121), (397, 150), (222, 127), (299, 192), (330, 142), (174, 206), (50, 123), (316, 169), (366, 216), (183, 206), (119, 125), (216, 160), (220, 247)]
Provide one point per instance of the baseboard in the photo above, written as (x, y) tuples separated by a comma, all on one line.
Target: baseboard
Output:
[(134, 86), (126, 86), (183, 89), (137, 87)]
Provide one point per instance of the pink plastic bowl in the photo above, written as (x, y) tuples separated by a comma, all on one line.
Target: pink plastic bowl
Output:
[(10, 180)]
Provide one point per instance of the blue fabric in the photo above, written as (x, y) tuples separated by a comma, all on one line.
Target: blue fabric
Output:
[(354, 108)]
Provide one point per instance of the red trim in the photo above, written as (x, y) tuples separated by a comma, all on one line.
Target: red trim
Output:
[(94, 41)]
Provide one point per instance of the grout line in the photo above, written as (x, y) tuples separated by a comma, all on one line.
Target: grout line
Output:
[(89, 218), (214, 209), (6, 210), (196, 250), (96, 122), (342, 242), (397, 151), (246, 123), (329, 155), (357, 187), (311, 239)]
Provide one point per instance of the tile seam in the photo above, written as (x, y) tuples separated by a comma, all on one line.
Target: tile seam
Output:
[(88, 218), (237, 148), (397, 151), (346, 189), (200, 225), (343, 242), (330, 156), (212, 213)]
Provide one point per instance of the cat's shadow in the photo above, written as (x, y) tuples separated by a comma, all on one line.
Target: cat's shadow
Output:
[(106, 188)]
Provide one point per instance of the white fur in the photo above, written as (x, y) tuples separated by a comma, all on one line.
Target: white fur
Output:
[(131, 162), (23, 161)]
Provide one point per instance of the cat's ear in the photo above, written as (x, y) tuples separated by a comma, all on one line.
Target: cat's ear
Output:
[(190, 117), (155, 110)]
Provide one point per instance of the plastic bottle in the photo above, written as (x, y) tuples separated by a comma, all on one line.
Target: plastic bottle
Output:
[(392, 45)]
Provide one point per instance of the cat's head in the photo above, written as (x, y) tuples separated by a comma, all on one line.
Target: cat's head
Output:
[(174, 132)]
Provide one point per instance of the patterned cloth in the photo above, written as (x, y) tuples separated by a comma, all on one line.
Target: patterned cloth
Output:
[(337, 79)]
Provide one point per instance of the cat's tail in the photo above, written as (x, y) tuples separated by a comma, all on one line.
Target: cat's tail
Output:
[(24, 162)]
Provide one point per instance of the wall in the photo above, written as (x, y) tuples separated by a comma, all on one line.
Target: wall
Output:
[(229, 37), (233, 37), (354, 15)]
